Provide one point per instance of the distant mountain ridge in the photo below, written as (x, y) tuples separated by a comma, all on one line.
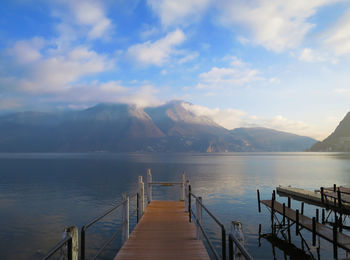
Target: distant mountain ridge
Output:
[(127, 128), (338, 141)]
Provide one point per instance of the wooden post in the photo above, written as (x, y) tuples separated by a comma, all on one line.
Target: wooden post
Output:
[(183, 192), (314, 231), (199, 218), (189, 204), (149, 186), (334, 187), (339, 198), (302, 208), (73, 247), (323, 216), (284, 214), (297, 222), (258, 194), (237, 232), (141, 197), (186, 195), (125, 218), (289, 202), (317, 215), (335, 240), (322, 195)]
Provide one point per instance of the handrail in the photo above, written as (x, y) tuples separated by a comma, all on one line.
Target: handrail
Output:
[(85, 227), (67, 240), (241, 248), (207, 210), (223, 231), (205, 235)]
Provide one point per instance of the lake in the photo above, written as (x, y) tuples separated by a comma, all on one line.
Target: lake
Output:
[(40, 194)]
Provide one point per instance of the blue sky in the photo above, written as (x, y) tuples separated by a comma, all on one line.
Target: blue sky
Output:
[(283, 64)]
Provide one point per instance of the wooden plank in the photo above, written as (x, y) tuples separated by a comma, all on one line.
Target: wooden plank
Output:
[(306, 222), (164, 232), (314, 198)]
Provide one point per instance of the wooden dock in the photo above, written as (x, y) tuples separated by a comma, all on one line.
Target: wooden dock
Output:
[(330, 198), (321, 230), (164, 232)]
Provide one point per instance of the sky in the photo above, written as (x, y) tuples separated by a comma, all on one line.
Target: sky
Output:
[(282, 64)]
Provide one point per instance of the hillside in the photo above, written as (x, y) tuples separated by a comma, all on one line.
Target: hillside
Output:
[(127, 128), (338, 141)]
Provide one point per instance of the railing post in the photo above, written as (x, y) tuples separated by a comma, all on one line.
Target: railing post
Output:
[(73, 245), (199, 217), (149, 186), (141, 197), (186, 195), (125, 218), (189, 203), (237, 232), (183, 192), (82, 243)]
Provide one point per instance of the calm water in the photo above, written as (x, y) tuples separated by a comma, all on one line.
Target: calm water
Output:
[(40, 194)]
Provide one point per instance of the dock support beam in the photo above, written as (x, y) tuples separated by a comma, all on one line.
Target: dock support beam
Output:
[(335, 239), (149, 186), (140, 197), (297, 222), (73, 246), (189, 203), (199, 218), (125, 219), (314, 231), (259, 206), (183, 191), (187, 197)]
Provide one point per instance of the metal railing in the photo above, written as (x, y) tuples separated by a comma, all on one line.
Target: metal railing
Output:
[(232, 240), (150, 183), (123, 228), (68, 244), (198, 219)]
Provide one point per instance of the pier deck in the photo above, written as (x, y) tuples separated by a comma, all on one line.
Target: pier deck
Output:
[(323, 231), (164, 232)]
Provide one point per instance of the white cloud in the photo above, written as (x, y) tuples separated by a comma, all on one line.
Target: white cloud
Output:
[(179, 12), (88, 15), (56, 70), (113, 86), (158, 52), (277, 25), (337, 38), (234, 118), (311, 55), (226, 77), (27, 51), (189, 57)]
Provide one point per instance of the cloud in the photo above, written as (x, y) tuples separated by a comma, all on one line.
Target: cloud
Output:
[(27, 51), (237, 74), (189, 57), (274, 24), (337, 38), (312, 56), (179, 12), (234, 118), (158, 52), (54, 71), (89, 16)]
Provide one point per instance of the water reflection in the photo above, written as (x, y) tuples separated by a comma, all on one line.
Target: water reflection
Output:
[(40, 194)]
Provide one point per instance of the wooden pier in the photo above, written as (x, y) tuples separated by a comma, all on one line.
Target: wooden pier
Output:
[(164, 232), (319, 229), (335, 198)]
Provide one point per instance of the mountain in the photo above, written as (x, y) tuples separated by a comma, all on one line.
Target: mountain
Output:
[(338, 141), (127, 128), (265, 139)]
